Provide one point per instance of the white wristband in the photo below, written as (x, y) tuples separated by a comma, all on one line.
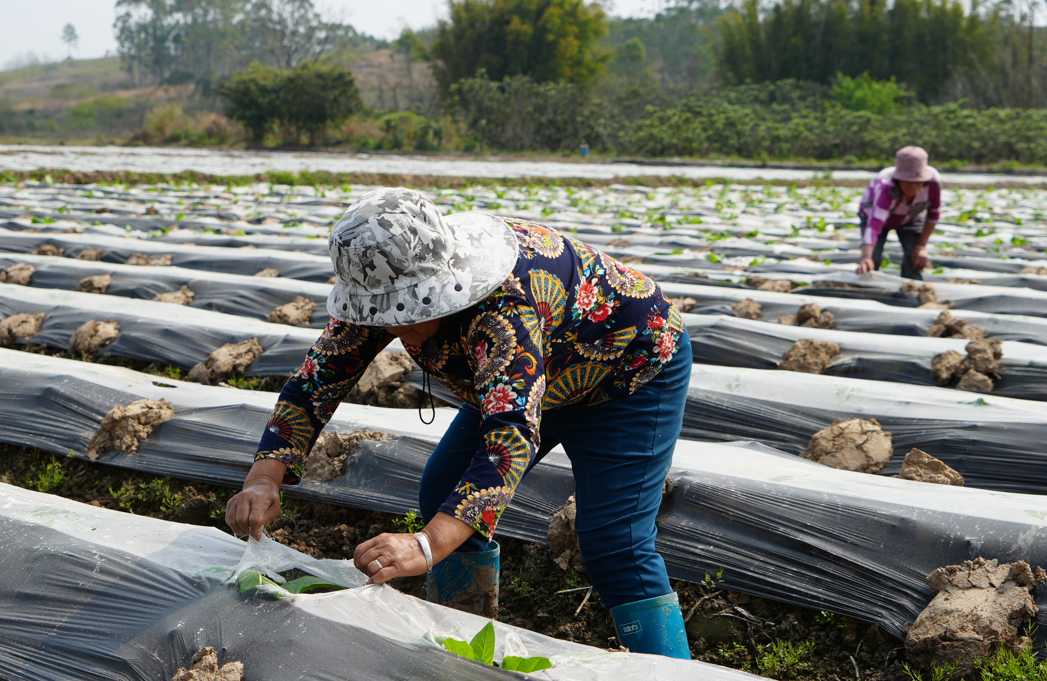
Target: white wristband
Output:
[(423, 541)]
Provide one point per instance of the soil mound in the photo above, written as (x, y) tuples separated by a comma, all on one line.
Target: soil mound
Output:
[(382, 384), (92, 254), (809, 356), (49, 249), (563, 540), (852, 445), (1034, 270), (327, 459), (773, 285), (747, 309), (928, 296), (124, 428), (267, 272), (99, 283), (333, 280), (975, 371), (809, 315), (143, 259), (965, 281), (204, 667), (92, 336), (183, 296), (947, 326), (922, 467), (684, 304), (229, 360), (298, 312), (978, 606), (19, 327), (20, 273)]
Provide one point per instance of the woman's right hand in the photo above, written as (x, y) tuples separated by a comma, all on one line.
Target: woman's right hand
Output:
[(866, 266), (259, 503)]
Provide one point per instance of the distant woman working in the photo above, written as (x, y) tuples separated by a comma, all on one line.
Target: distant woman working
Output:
[(905, 198)]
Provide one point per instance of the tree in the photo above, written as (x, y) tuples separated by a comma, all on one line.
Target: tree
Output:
[(70, 38), (547, 40), (305, 99), (292, 31)]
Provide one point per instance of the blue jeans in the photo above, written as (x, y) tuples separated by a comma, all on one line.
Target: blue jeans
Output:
[(620, 453)]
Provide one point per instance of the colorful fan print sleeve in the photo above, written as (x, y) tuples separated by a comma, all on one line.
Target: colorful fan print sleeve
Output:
[(505, 344), (332, 368)]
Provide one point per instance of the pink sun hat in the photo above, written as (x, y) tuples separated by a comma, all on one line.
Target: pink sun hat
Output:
[(911, 165)]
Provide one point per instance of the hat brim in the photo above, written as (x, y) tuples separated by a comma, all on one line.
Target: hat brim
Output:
[(484, 256), (926, 176)]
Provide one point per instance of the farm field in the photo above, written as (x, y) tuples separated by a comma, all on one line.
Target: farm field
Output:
[(205, 297)]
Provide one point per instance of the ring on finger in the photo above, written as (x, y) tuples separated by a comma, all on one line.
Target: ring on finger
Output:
[(375, 561)]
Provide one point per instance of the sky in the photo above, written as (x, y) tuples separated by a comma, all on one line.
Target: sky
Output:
[(35, 26)]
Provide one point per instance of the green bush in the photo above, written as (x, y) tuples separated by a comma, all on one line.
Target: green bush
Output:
[(409, 130), (105, 113), (865, 94), (302, 100)]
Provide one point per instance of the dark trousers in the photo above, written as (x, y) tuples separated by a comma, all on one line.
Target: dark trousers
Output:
[(908, 238), (620, 454)]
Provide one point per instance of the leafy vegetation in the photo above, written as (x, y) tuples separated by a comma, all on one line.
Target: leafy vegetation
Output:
[(481, 649)]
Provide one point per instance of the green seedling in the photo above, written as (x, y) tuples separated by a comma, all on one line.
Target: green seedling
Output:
[(252, 579), (308, 584), (481, 649)]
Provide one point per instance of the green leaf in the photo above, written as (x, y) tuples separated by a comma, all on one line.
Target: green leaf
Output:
[(483, 644), (526, 664), (460, 648), (249, 579), (304, 585)]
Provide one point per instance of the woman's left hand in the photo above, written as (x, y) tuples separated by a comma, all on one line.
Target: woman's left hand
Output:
[(919, 258), (388, 556)]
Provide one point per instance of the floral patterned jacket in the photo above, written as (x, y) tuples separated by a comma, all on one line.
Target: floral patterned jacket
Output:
[(571, 327)]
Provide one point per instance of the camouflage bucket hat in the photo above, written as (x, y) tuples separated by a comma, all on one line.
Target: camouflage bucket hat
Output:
[(400, 262)]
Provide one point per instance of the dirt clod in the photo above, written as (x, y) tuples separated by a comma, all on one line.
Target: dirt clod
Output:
[(327, 459), (975, 381), (19, 273), (926, 292), (183, 296), (977, 607), (776, 286), (684, 304), (984, 356), (1034, 270), (947, 326), (852, 445), (922, 467), (333, 280), (267, 272), (813, 316), (92, 254), (92, 336), (204, 667), (945, 365), (98, 283), (229, 360), (563, 539), (298, 312), (809, 356), (19, 327), (49, 249), (124, 428), (381, 384), (164, 260), (747, 309)]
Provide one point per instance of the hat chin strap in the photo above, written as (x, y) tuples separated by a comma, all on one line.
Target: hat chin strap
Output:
[(427, 387)]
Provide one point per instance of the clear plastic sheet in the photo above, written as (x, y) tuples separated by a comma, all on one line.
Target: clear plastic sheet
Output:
[(730, 341), (100, 595), (244, 296), (147, 332), (246, 261), (994, 442)]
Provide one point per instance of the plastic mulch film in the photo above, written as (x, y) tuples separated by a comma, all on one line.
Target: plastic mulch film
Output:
[(96, 594), (247, 261), (730, 341), (994, 442), (779, 526), (57, 405), (235, 294), (793, 530), (147, 332), (857, 315)]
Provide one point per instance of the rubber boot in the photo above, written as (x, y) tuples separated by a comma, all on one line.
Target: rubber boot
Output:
[(654, 625), (467, 581)]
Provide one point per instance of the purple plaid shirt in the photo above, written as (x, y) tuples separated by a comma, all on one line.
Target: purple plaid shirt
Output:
[(884, 207)]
